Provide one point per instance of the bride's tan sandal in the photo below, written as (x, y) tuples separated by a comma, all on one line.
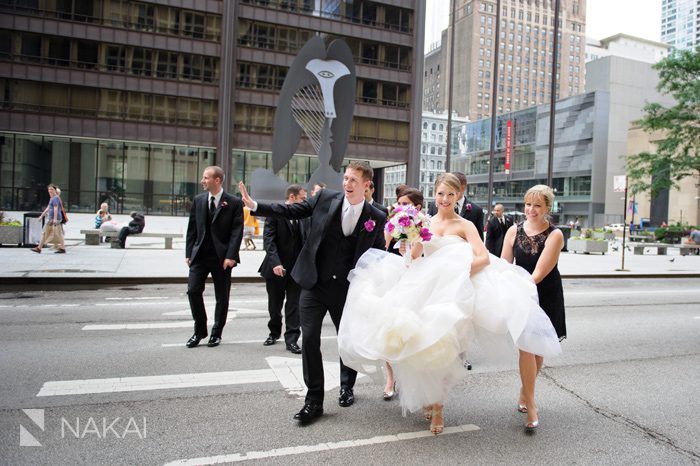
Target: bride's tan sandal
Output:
[(437, 424)]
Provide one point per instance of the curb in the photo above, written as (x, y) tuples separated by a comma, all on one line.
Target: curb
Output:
[(9, 283)]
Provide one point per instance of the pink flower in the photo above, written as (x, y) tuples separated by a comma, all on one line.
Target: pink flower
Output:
[(389, 227), (369, 225), (405, 221), (425, 234), (223, 204), (469, 206)]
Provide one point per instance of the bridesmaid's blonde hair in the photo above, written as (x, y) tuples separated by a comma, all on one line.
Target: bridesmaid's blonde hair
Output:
[(543, 192), (450, 180)]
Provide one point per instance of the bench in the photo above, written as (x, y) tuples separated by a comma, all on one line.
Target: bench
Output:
[(92, 237), (641, 238), (661, 248)]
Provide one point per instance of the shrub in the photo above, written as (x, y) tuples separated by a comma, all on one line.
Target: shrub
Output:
[(8, 222)]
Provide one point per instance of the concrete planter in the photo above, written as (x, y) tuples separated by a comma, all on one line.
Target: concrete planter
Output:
[(10, 235), (607, 235), (587, 246)]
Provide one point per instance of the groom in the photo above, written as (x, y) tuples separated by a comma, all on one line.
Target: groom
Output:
[(343, 227)]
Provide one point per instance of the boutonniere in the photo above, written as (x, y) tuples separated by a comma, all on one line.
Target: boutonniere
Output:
[(369, 225), (469, 206), (223, 204)]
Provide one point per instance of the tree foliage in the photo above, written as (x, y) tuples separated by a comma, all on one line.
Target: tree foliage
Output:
[(678, 154)]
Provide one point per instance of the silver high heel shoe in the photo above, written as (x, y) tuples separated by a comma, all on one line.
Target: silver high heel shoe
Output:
[(388, 396)]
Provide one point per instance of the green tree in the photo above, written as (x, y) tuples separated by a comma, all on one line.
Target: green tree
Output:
[(678, 154)]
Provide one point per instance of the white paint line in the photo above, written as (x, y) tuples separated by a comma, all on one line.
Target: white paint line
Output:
[(159, 382), (327, 446), (237, 342), (696, 317), (143, 326), (187, 312), (633, 292), (136, 297)]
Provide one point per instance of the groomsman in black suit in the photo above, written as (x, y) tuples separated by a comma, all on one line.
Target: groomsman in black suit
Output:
[(282, 240), (370, 199), (465, 208), (343, 227), (496, 230), (214, 235)]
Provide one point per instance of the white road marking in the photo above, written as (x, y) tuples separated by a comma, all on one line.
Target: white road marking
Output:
[(187, 312), (158, 382), (136, 297), (287, 371), (142, 326), (327, 446), (237, 342), (630, 292)]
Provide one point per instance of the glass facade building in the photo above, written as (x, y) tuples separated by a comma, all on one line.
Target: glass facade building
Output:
[(579, 155), (127, 101)]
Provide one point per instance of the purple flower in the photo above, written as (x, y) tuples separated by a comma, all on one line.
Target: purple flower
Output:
[(425, 234), (223, 204), (389, 227), (405, 221), (369, 225), (469, 206)]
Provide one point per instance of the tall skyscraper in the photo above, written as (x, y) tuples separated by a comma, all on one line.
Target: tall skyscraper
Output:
[(680, 23), (525, 47), (126, 101)]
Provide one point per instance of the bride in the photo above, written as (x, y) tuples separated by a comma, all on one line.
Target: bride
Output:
[(422, 319)]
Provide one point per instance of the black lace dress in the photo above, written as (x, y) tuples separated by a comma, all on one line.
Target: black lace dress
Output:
[(527, 251)]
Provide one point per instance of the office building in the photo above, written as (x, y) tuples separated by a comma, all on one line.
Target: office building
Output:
[(127, 101), (680, 23), (525, 47)]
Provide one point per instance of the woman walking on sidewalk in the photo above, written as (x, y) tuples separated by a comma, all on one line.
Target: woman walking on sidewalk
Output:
[(53, 230)]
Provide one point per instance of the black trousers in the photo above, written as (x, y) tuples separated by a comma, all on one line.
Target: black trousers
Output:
[(123, 233), (203, 265), (277, 289), (313, 304)]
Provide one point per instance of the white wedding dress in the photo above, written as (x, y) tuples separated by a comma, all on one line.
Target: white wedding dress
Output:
[(423, 319)]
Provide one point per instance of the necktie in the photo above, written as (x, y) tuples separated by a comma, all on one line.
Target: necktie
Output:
[(212, 206), (348, 221), (457, 209), (502, 221)]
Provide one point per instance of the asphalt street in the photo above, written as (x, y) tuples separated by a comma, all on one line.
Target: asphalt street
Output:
[(101, 376)]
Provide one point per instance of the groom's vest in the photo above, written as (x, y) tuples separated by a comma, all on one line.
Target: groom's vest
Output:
[(336, 253)]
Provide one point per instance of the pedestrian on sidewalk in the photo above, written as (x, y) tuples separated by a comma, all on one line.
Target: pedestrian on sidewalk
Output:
[(214, 235), (283, 240), (53, 230), (251, 227)]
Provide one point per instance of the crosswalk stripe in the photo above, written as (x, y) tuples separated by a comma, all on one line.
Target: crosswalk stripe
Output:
[(326, 446), (159, 382), (235, 342), (144, 325)]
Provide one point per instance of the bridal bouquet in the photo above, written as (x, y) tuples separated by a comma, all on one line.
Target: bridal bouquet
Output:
[(409, 224)]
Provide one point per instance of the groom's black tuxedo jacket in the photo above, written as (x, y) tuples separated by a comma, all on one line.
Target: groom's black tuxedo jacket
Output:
[(474, 214), (225, 227), (325, 212)]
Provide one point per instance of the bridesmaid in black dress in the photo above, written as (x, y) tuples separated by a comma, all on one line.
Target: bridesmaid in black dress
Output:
[(535, 246)]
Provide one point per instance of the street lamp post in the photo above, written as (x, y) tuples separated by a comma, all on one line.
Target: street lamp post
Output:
[(494, 103), (553, 93)]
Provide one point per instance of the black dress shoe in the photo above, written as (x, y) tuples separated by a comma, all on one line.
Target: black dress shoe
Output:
[(214, 341), (309, 412), (346, 397), (193, 341), (293, 348), (270, 341)]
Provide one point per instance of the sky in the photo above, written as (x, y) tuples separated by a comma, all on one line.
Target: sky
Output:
[(604, 18)]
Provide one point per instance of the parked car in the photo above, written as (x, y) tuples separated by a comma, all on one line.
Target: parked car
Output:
[(616, 227)]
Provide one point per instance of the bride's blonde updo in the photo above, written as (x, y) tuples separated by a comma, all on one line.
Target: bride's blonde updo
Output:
[(542, 192), (450, 180)]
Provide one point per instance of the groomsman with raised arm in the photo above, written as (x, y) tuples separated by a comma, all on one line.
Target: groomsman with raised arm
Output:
[(214, 235), (343, 227)]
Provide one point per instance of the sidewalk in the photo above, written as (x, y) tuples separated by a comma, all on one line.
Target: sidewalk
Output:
[(146, 261)]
